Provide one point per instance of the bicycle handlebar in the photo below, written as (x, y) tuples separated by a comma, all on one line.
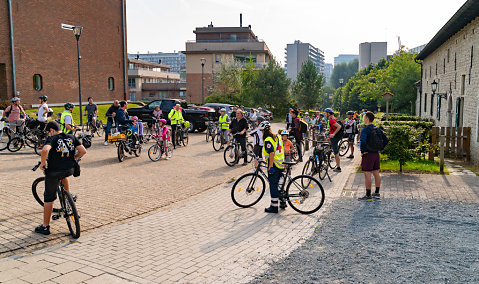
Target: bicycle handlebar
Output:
[(36, 167)]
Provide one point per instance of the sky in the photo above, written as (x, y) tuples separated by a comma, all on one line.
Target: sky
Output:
[(334, 26)]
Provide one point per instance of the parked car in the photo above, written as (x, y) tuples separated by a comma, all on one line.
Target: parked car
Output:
[(267, 114), (228, 107), (198, 118)]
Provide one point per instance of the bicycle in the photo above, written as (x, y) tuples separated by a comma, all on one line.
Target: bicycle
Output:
[(5, 135), (219, 140), (303, 192), (181, 134), (98, 128), (211, 130), (127, 142), (232, 153), (318, 162), (67, 205), (156, 151), (30, 137)]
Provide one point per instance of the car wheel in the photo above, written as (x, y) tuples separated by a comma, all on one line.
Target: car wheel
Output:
[(191, 128), (201, 129)]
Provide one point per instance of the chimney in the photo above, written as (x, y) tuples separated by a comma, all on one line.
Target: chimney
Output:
[(241, 20)]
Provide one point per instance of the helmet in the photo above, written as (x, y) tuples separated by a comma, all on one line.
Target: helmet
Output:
[(260, 119), (306, 113), (45, 98), (285, 132), (330, 110), (14, 99), (68, 105), (223, 109), (134, 117), (163, 121), (350, 112), (264, 125)]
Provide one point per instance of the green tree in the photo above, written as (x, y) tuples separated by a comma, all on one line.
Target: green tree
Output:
[(307, 89), (227, 84), (345, 71)]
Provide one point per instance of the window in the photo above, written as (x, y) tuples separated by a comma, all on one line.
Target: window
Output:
[(436, 68), (444, 66), (161, 94), (438, 108), (132, 96), (217, 58), (131, 66), (37, 82), (432, 104), (425, 103), (448, 53), (244, 58), (455, 62), (111, 84), (182, 94), (153, 105), (132, 83), (233, 37)]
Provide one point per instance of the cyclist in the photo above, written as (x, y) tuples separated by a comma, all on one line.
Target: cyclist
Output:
[(42, 112), (350, 129), (92, 110), (13, 112), (110, 114), (274, 155), (66, 120), (288, 145), (176, 117), (298, 136), (59, 151), (252, 117), (334, 128), (224, 123), (240, 126), (122, 116)]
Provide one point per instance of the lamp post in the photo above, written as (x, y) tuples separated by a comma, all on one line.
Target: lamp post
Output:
[(77, 32), (341, 82), (434, 89), (203, 61)]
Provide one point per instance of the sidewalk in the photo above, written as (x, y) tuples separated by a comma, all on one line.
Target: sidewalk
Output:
[(202, 240)]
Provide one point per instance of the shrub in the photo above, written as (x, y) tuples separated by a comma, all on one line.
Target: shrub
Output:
[(4, 104), (405, 144)]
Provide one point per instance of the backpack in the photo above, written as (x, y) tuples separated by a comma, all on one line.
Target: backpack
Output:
[(7, 113), (375, 141), (341, 131), (303, 125)]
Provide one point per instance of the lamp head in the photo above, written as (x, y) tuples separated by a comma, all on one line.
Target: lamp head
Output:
[(203, 61), (434, 86), (341, 81), (77, 31)]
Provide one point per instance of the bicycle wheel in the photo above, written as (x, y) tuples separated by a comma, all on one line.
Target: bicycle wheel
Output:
[(305, 194), (217, 142), (343, 147), (185, 138), (38, 147), (169, 150), (323, 169), (100, 130), (332, 160), (32, 137), (310, 168), (231, 155), (4, 138), (38, 186), (71, 215), (248, 190), (121, 151), (15, 144), (154, 153), (249, 152), (208, 133), (137, 151)]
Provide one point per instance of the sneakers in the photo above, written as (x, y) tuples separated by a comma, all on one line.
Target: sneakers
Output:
[(366, 197), (75, 197), (106, 143), (350, 157), (337, 170), (271, 209), (283, 205), (43, 230), (376, 195)]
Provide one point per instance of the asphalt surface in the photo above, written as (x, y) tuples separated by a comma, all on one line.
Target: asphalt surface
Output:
[(386, 241)]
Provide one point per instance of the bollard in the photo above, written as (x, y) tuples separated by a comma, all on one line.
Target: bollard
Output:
[(442, 139)]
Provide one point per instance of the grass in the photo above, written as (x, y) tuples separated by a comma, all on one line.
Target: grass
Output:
[(420, 166), (76, 112)]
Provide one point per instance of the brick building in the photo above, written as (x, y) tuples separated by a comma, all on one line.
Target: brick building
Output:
[(451, 60), (45, 56)]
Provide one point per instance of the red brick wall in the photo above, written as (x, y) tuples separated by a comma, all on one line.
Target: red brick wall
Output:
[(5, 89), (42, 47), (193, 87)]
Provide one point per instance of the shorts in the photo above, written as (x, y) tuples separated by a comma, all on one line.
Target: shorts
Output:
[(350, 137), (258, 151), (52, 182), (370, 162), (224, 132), (334, 144)]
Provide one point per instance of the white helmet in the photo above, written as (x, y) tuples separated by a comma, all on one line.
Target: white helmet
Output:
[(264, 125), (285, 132)]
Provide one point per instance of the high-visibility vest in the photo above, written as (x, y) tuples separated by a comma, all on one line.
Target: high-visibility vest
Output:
[(361, 118), (278, 152), (175, 116), (62, 121), (223, 120)]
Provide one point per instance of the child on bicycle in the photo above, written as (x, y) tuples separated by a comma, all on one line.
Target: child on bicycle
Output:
[(162, 135), (287, 144)]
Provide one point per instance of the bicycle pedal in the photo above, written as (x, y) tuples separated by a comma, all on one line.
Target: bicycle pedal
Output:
[(56, 217)]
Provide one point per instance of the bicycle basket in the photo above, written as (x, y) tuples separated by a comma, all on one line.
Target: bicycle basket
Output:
[(186, 124), (117, 137)]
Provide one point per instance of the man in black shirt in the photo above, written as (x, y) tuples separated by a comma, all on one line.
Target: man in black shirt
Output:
[(240, 125), (59, 150), (110, 114)]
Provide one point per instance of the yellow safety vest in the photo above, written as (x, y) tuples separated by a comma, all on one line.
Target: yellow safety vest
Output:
[(223, 120), (278, 152), (62, 122), (175, 116)]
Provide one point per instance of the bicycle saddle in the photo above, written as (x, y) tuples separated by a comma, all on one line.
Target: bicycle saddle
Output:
[(290, 163)]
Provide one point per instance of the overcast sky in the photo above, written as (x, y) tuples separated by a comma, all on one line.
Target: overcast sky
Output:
[(334, 26)]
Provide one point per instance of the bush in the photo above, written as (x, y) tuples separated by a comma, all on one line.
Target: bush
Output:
[(4, 104), (405, 144)]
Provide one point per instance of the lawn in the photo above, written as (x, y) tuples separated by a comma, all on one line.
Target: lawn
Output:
[(76, 112), (420, 166)]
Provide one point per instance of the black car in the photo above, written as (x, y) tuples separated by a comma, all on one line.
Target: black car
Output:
[(198, 118)]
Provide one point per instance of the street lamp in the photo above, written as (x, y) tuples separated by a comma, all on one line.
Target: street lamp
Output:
[(434, 89), (341, 82), (203, 61), (77, 32)]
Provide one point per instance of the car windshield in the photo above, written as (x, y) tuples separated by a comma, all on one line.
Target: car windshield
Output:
[(154, 104)]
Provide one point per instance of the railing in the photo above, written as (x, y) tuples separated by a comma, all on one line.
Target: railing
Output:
[(226, 40)]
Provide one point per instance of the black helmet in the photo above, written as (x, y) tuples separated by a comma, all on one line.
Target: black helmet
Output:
[(350, 112), (43, 98), (68, 105)]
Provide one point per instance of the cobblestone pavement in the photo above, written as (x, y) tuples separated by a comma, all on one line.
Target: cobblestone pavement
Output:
[(203, 239), (456, 169), (108, 191)]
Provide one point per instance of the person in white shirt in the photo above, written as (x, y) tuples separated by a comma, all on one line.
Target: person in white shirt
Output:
[(42, 112), (350, 129), (258, 140)]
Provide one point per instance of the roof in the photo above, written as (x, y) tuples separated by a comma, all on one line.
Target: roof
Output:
[(223, 30), (468, 12), (148, 63)]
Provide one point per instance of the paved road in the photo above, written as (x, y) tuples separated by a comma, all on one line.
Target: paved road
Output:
[(109, 192), (203, 239)]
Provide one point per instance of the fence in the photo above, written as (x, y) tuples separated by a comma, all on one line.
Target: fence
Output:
[(456, 142)]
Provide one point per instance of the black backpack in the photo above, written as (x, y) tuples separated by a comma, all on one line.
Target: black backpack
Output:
[(375, 141), (341, 131)]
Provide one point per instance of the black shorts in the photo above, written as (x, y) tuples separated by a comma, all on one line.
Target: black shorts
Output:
[(334, 144), (351, 137), (52, 182), (258, 151)]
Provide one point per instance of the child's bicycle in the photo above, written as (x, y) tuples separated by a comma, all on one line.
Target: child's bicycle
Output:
[(303, 193), (67, 208), (156, 151)]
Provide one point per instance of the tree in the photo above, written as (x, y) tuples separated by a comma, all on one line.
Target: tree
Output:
[(345, 71), (227, 84), (307, 88)]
